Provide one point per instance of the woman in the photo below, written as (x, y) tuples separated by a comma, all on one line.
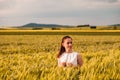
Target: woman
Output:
[(67, 57)]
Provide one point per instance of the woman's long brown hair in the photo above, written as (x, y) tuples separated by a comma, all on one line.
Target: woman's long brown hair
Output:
[(62, 49)]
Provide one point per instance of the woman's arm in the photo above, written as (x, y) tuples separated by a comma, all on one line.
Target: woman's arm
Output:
[(79, 60), (61, 64)]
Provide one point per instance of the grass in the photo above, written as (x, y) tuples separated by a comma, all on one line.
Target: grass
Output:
[(33, 57)]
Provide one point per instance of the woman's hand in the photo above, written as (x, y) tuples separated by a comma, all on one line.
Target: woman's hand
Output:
[(69, 64)]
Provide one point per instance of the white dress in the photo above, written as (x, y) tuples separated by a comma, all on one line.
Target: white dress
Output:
[(68, 58)]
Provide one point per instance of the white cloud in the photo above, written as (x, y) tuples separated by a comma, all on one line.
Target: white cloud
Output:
[(28, 9), (6, 4), (27, 6)]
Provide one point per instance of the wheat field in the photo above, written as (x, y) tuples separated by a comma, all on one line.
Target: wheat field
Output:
[(33, 57)]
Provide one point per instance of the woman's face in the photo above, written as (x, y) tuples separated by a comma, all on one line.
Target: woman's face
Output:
[(67, 44)]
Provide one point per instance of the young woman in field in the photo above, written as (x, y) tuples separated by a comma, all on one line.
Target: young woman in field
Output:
[(66, 56)]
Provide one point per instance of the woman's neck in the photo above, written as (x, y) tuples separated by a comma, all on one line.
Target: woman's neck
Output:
[(68, 51)]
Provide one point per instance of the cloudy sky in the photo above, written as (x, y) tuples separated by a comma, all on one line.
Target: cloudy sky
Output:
[(66, 12)]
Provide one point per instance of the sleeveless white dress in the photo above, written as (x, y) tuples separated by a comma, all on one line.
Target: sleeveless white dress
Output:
[(68, 58)]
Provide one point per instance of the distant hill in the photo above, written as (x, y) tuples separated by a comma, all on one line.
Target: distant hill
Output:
[(115, 25), (33, 25)]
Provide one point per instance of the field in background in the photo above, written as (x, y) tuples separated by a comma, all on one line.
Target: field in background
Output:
[(59, 32), (33, 57)]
